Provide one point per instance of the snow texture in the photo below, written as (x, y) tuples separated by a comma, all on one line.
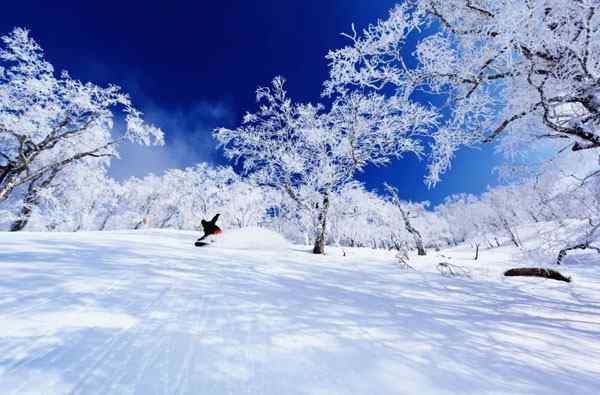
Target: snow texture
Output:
[(251, 238), (146, 312)]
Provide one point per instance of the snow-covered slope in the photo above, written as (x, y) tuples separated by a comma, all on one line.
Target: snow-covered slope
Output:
[(147, 313), (250, 238)]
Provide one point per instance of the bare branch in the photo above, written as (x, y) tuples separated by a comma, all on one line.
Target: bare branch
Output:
[(478, 9), (504, 125), (454, 29), (95, 153)]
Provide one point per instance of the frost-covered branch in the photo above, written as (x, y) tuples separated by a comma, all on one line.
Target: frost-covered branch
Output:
[(49, 122), (310, 152), (508, 70)]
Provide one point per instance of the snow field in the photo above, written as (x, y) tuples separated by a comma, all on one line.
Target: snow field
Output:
[(146, 312)]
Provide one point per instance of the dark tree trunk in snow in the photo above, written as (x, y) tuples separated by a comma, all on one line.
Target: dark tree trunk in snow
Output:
[(319, 247), (513, 236), (30, 200), (107, 217), (6, 171), (168, 218), (416, 236), (533, 216), (8, 182), (26, 211), (405, 217)]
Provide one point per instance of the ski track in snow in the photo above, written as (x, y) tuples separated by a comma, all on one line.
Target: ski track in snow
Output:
[(146, 312)]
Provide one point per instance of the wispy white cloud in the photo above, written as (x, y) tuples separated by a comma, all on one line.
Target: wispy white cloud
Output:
[(188, 136)]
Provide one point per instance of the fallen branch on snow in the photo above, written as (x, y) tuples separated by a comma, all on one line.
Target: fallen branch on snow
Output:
[(537, 272), (586, 244), (403, 259), (583, 246), (448, 269)]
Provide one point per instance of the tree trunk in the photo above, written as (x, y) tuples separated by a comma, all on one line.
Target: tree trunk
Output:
[(168, 218), (420, 248), (31, 199), (24, 217), (20, 224), (319, 247), (415, 233), (513, 236), (8, 184), (105, 221), (405, 217), (6, 170), (26, 210), (533, 216), (144, 222)]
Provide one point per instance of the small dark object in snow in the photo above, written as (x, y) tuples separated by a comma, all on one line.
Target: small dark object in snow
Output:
[(448, 269), (537, 272), (201, 243)]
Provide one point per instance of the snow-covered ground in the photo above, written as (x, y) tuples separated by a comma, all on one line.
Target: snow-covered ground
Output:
[(146, 312)]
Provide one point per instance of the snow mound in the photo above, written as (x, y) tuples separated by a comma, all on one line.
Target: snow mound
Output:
[(252, 238)]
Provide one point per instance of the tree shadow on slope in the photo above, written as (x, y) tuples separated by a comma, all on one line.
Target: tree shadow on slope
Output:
[(460, 335), (270, 325)]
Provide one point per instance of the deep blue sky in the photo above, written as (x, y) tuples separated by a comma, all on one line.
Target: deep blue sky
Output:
[(194, 65)]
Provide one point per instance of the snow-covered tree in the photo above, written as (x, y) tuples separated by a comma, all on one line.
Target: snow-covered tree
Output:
[(50, 122), (181, 198), (407, 211), (357, 217), (310, 153), (525, 70)]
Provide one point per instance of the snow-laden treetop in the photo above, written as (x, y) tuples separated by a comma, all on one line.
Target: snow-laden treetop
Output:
[(48, 121), (519, 69)]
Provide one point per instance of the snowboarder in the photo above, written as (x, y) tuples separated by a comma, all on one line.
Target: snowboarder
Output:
[(210, 228)]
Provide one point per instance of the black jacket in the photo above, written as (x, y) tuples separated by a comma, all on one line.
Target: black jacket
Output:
[(210, 227)]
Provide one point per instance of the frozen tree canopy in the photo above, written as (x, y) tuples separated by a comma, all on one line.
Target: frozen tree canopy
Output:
[(49, 122), (487, 70), (310, 152), (431, 78), (515, 69)]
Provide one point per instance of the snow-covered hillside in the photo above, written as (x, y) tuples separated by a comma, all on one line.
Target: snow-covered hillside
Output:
[(145, 312)]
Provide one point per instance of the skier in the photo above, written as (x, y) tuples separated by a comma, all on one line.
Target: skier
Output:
[(210, 228)]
